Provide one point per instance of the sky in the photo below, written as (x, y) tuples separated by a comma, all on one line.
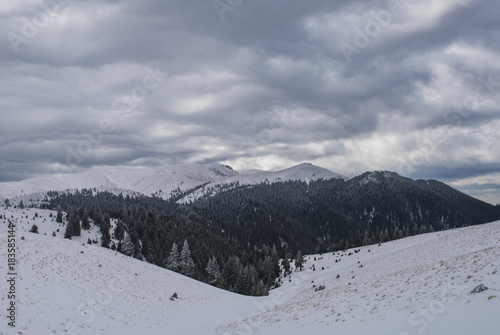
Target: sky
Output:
[(352, 86)]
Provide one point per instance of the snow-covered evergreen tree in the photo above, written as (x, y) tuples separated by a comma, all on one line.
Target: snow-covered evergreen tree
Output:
[(127, 247), (186, 262), (213, 270), (173, 261)]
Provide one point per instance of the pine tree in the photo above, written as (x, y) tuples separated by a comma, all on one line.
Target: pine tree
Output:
[(247, 280), (74, 223), (276, 262), (105, 237), (186, 262), (231, 272), (213, 270), (127, 247), (59, 216), (85, 220), (119, 230), (34, 229), (260, 289), (268, 271), (68, 232), (286, 264), (299, 261), (173, 261)]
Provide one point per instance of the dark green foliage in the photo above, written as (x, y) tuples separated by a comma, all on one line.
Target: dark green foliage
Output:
[(214, 274), (34, 229), (337, 214), (285, 264), (68, 232), (74, 223), (119, 231), (85, 220), (299, 261), (59, 216)]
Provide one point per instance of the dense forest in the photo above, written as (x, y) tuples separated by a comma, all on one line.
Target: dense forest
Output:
[(236, 238)]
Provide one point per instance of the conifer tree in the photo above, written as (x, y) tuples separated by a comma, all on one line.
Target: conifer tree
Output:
[(299, 261), (74, 223), (213, 270), (59, 216), (127, 247), (119, 230), (260, 289), (286, 264), (232, 272), (68, 232), (173, 262), (34, 229), (186, 262), (247, 280), (85, 220)]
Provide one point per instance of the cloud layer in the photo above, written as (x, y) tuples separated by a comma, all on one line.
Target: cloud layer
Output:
[(408, 86)]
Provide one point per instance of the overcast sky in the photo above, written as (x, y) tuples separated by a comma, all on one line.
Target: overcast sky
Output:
[(407, 86)]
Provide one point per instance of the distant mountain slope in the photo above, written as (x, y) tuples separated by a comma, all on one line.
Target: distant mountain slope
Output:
[(188, 180), (400, 287), (142, 180), (305, 172), (331, 214)]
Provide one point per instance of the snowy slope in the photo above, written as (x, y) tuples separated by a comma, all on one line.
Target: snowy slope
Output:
[(160, 181), (67, 287), (141, 180)]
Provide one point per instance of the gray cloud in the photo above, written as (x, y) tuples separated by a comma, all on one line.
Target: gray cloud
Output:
[(266, 87)]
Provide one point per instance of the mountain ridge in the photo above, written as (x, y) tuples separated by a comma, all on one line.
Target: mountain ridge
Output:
[(162, 180)]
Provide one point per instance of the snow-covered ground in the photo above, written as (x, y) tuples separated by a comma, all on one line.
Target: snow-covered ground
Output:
[(417, 285)]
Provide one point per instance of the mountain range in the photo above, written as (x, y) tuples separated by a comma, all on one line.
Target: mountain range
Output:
[(191, 179)]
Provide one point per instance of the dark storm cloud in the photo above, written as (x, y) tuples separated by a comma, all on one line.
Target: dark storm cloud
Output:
[(257, 84)]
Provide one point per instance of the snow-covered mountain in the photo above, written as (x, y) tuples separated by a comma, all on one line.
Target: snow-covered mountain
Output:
[(160, 181), (415, 285)]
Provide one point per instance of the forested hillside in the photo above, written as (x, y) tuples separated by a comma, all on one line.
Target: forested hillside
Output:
[(236, 238)]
